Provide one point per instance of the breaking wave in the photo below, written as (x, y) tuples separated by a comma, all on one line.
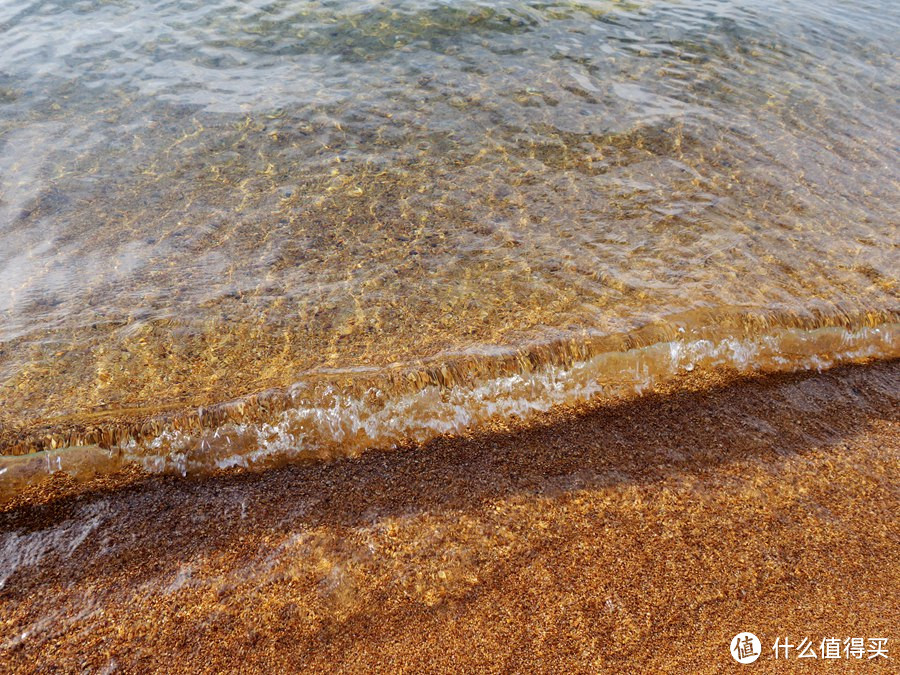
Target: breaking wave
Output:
[(347, 413)]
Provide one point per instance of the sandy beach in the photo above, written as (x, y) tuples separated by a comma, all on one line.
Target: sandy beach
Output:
[(639, 536), (449, 336)]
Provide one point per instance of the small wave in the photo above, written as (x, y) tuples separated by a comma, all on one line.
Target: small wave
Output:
[(329, 419)]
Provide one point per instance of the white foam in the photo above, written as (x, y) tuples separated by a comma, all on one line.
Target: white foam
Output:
[(337, 423), (325, 421)]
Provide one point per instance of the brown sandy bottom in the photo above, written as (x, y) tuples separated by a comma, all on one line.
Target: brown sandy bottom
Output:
[(640, 536)]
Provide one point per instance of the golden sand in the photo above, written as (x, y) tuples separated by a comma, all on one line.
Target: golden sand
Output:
[(640, 536)]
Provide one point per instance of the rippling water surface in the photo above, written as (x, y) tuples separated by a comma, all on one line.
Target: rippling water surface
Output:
[(231, 231)]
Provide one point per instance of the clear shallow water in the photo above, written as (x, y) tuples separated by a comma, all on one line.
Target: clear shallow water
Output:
[(302, 226)]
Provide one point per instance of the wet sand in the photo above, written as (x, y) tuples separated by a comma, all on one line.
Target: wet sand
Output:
[(638, 536)]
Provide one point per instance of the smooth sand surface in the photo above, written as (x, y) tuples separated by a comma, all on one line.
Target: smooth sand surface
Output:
[(635, 537)]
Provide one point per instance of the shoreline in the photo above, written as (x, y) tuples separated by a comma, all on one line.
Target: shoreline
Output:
[(609, 367), (645, 533), (265, 431)]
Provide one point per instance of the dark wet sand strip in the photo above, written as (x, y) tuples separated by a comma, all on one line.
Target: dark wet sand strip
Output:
[(642, 535)]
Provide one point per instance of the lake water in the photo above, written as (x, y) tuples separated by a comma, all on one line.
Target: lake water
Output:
[(237, 232)]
